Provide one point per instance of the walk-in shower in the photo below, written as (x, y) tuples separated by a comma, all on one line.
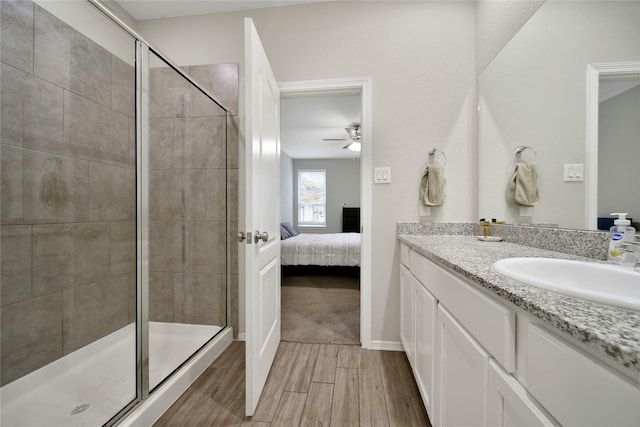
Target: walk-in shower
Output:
[(115, 218)]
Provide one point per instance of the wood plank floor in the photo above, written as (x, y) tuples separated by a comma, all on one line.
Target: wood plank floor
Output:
[(309, 385)]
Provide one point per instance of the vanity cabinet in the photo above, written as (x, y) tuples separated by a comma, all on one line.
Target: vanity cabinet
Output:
[(461, 343)]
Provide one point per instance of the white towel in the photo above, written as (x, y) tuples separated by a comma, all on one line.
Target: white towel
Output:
[(523, 187), (433, 185)]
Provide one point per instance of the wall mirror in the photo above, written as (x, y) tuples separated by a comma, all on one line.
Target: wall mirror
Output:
[(535, 93)]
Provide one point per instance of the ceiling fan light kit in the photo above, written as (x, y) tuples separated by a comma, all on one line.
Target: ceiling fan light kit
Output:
[(354, 139), (354, 146)]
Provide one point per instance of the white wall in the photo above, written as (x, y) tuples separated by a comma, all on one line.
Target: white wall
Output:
[(619, 153), (343, 189), (534, 93), (286, 188), (420, 56)]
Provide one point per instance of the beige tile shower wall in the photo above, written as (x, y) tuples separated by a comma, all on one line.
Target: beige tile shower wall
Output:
[(68, 190), (188, 195), (232, 189)]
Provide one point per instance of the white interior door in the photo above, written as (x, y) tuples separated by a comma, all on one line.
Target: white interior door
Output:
[(262, 213)]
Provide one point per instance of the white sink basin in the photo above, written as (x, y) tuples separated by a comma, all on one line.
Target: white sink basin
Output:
[(602, 283)]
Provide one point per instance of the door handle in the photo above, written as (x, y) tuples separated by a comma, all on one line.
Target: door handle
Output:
[(241, 236), (264, 236)]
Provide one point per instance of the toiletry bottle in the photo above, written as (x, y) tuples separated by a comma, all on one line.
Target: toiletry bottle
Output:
[(621, 233), (484, 228)]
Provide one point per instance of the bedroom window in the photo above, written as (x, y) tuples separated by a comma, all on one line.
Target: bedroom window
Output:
[(312, 198)]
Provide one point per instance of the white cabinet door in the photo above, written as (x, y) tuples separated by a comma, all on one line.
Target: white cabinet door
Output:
[(508, 404), (407, 313), (426, 306), (460, 397)]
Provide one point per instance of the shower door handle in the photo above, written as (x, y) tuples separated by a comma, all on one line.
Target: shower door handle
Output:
[(264, 236)]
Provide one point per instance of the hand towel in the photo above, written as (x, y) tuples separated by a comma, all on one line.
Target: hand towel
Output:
[(523, 188), (433, 185)]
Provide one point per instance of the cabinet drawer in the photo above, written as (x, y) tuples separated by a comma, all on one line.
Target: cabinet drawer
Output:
[(404, 254), (490, 322), (576, 390)]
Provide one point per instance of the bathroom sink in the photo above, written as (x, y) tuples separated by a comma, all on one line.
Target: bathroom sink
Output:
[(602, 283)]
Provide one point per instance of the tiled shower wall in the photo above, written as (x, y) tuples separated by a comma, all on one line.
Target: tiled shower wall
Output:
[(188, 186), (221, 80), (68, 190), (68, 194)]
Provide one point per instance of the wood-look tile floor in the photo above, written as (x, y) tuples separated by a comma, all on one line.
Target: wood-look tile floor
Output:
[(309, 385)]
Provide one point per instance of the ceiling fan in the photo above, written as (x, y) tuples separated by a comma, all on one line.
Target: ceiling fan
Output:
[(354, 138)]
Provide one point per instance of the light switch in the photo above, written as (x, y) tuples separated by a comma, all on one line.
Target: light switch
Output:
[(382, 175), (574, 172)]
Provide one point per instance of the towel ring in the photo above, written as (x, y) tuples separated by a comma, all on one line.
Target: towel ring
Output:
[(519, 150), (433, 152)]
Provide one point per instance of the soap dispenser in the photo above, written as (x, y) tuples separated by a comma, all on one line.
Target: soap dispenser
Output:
[(621, 233)]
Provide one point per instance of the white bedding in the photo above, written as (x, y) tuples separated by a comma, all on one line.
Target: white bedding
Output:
[(339, 249)]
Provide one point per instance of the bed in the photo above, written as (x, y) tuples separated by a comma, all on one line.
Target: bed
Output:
[(336, 250)]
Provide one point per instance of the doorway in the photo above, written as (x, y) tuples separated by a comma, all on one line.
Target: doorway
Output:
[(360, 89)]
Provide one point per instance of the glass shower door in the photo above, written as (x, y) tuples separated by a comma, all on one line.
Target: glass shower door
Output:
[(188, 219), (68, 227)]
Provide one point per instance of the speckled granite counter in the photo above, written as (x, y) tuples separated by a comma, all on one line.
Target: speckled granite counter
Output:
[(613, 333)]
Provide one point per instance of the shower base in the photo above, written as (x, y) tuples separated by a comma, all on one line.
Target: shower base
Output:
[(87, 387)]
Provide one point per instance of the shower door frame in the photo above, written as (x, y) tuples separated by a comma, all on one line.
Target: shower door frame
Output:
[(142, 93), (142, 220)]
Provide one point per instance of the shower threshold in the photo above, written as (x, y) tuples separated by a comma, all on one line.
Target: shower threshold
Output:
[(90, 385)]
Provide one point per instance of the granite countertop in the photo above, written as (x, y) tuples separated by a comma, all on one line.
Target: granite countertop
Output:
[(614, 333)]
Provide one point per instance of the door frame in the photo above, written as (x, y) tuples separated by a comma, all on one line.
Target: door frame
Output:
[(594, 72), (362, 86)]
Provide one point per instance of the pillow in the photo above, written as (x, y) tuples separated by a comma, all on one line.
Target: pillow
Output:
[(284, 234), (292, 231)]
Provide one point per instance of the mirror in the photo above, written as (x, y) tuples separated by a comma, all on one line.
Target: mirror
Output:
[(534, 93)]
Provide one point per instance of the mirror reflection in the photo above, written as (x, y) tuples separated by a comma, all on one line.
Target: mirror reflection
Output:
[(534, 93), (618, 146)]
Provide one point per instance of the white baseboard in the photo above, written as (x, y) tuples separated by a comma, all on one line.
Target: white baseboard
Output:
[(386, 345), (241, 337)]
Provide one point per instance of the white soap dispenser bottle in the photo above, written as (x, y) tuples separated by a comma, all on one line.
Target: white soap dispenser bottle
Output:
[(621, 232)]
